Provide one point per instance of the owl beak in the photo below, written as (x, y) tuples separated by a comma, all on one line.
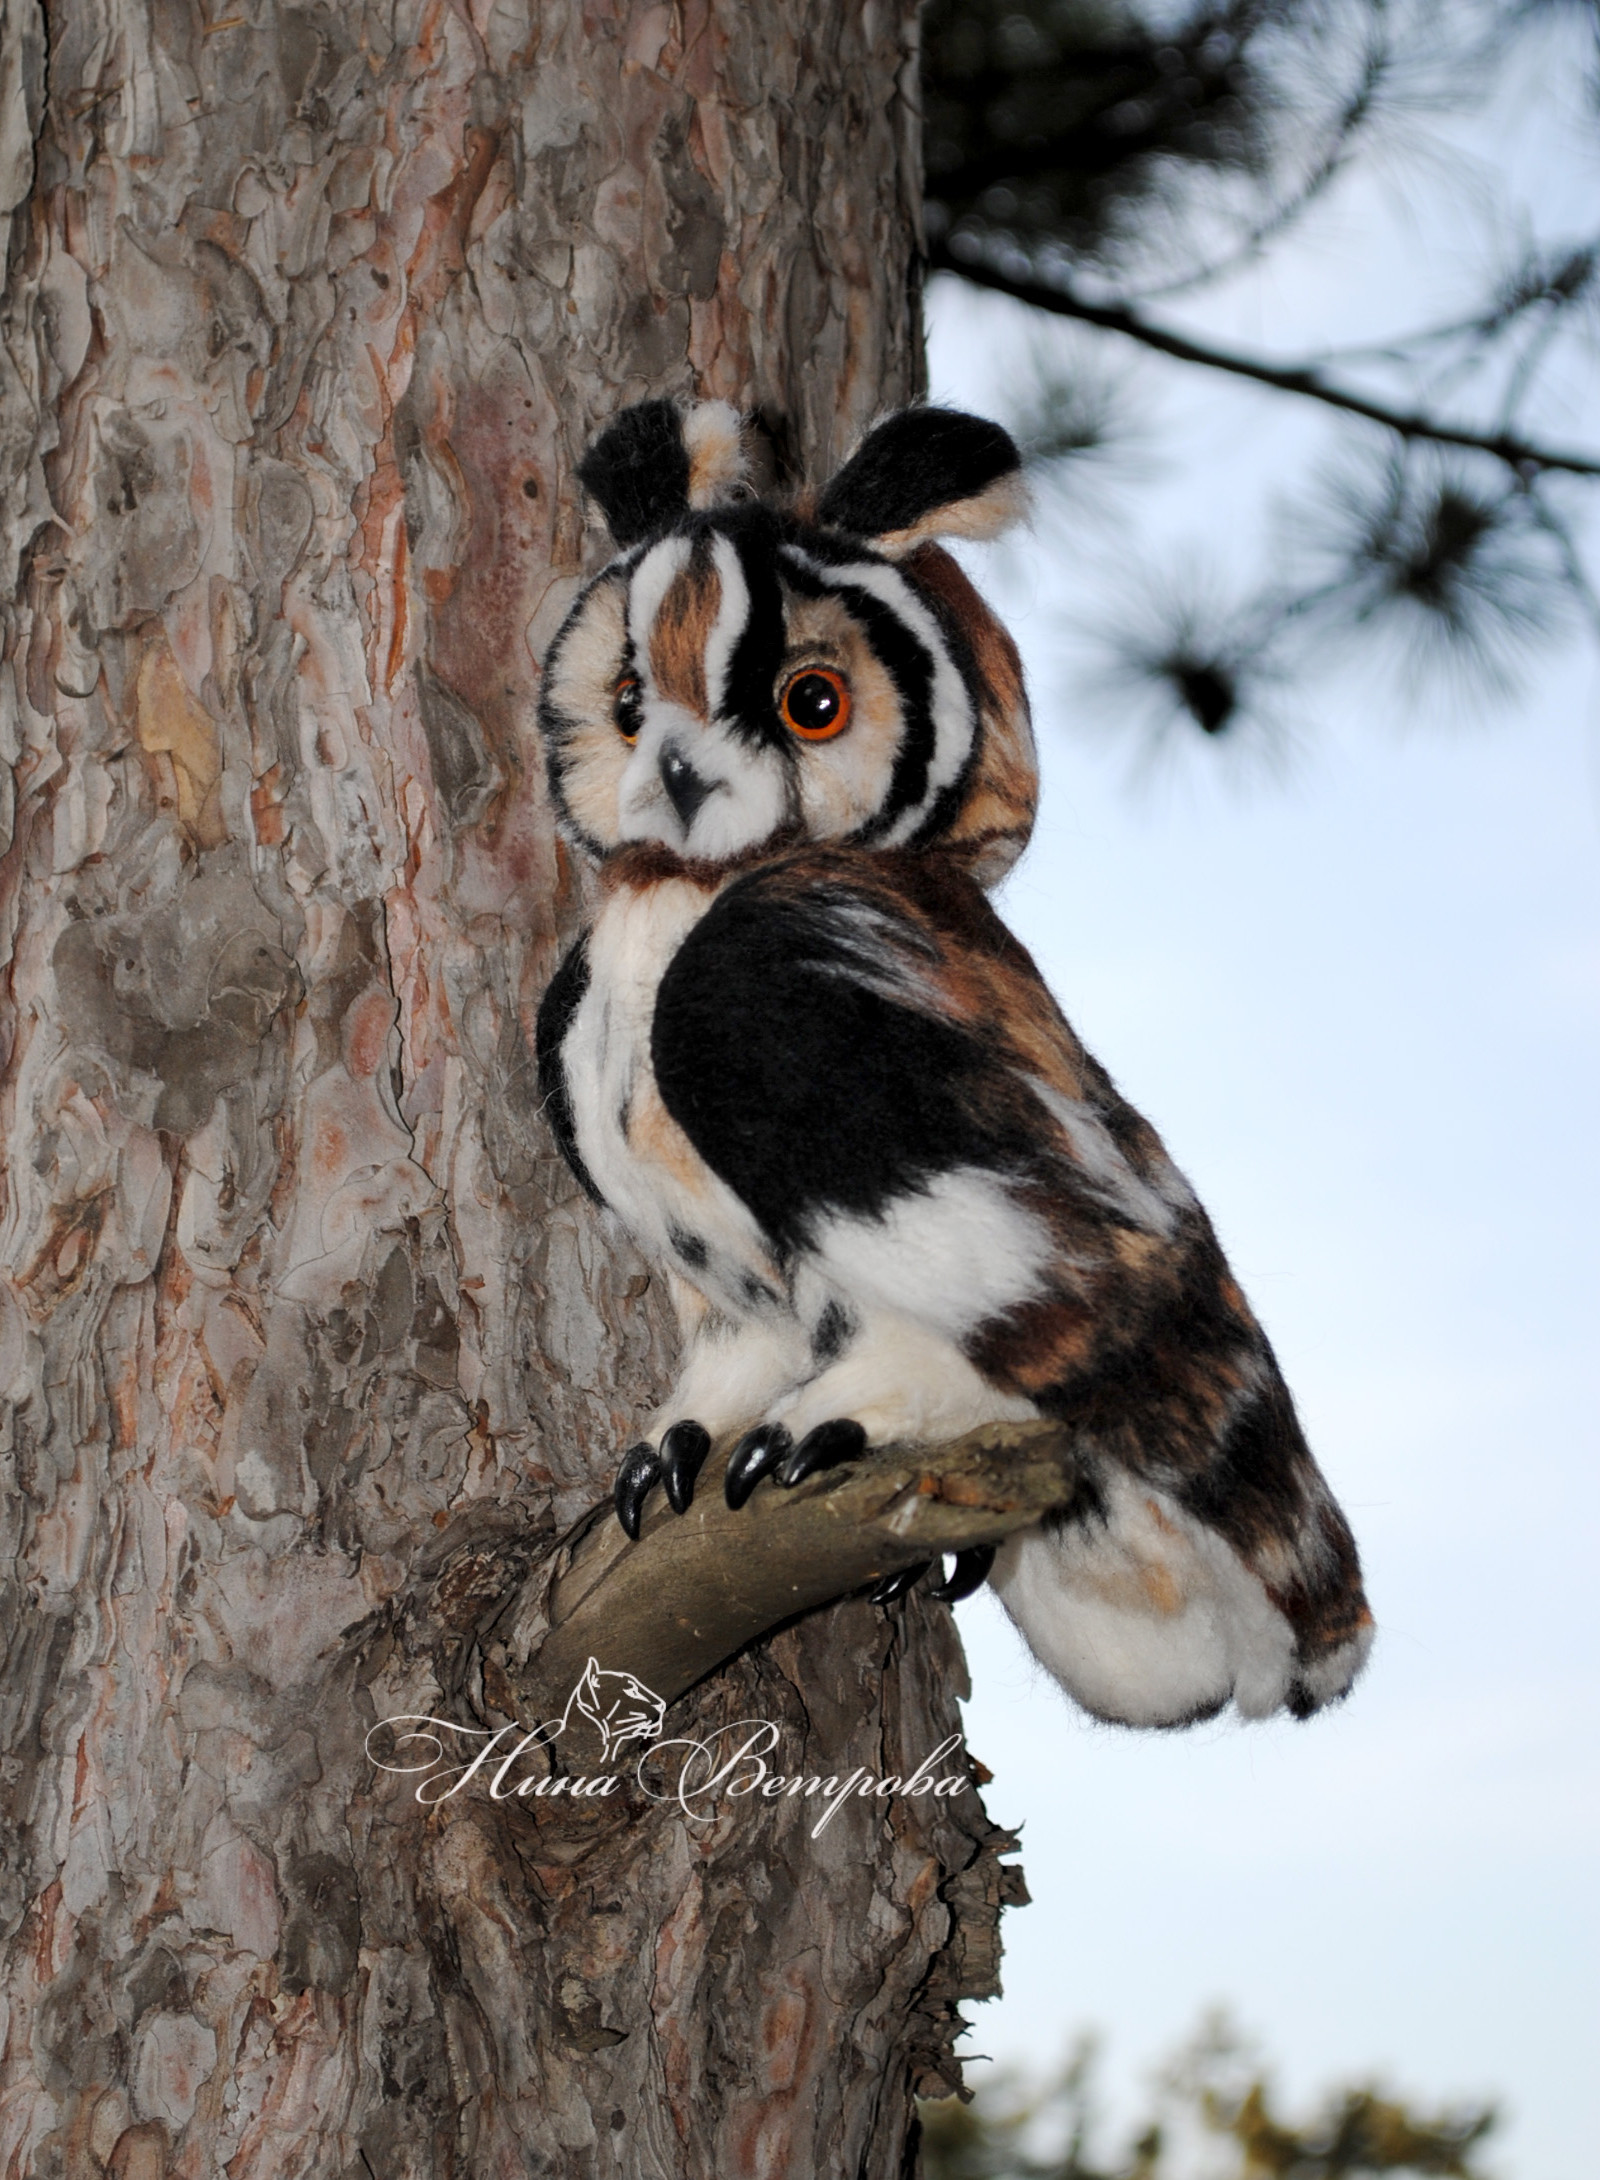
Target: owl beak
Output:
[(686, 790)]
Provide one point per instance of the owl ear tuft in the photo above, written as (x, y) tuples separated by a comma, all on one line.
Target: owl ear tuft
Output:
[(638, 470), (927, 473), (718, 471), (654, 462)]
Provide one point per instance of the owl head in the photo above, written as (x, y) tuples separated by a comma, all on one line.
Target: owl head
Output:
[(743, 674)]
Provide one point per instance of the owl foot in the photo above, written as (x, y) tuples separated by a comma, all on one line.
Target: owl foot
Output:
[(683, 1453), (890, 1586), (968, 1574), (756, 1455), (828, 1446), (771, 1449), (971, 1566), (674, 1466), (641, 1467)]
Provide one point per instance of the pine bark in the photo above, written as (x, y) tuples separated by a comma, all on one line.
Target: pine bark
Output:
[(308, 1346)]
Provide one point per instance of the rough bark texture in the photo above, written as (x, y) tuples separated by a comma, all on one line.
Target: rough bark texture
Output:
[(306, 1342)]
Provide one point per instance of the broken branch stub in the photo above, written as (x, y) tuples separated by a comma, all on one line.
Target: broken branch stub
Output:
[(697, 1587)]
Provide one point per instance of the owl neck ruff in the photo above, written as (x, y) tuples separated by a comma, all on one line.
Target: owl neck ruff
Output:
[(744, 674)]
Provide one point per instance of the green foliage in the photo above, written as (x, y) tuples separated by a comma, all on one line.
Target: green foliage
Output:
[(1212, 2099)]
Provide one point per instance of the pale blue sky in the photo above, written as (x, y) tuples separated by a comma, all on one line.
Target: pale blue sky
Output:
[(1362, 1004)]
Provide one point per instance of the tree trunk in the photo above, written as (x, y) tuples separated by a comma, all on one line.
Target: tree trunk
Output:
[(308, 1346)]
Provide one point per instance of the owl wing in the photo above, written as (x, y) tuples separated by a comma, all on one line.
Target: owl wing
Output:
[(856, 1044)]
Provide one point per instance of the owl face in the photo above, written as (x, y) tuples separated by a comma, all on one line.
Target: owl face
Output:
[(742, 676)]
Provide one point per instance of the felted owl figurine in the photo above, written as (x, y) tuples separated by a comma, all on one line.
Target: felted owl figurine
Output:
[(804, 1063)]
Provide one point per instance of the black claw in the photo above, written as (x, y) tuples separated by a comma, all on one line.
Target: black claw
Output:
[(965, 1576), (683, 1450), (830, 1443), (891, 1586), (641, 1465), (756, 1455)]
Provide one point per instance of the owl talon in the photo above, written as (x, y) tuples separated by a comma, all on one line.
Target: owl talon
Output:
[(756, 1455), (967, 1575), (890, 1586), (641, 1466), (683, 1452), (827, 1446)]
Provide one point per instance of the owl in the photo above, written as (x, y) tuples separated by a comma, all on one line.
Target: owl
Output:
[(803, 1062)]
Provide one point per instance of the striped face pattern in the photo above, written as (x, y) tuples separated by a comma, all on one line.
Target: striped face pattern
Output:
[(754, 678)]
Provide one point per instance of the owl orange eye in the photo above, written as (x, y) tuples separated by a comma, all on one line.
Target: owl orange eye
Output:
[(815, 704), (625, 707)]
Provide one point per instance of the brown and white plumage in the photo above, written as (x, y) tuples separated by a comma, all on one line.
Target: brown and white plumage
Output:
[(816, 1078)]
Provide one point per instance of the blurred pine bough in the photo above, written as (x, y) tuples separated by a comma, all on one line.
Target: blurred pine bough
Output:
[(1104, 161), (1213, 2112)]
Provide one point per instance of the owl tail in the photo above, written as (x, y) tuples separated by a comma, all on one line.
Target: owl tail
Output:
[(1147, 1617)]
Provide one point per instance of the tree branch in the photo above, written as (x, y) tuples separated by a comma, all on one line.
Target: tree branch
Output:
[(697, 1588), (1519, 454), (1338, 149)]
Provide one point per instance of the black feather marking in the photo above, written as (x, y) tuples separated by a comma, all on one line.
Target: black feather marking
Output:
[(859, 1101), (1087, 1504), (747, 699), (946, 805), (905, 659), (690, 1248), (915, 462), (1261, 1486), (1251, 1485), (832, 1334), (556, 1010), (908, 662), (638, 470)]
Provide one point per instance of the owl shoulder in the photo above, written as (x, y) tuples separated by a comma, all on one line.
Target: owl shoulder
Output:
[(830, 1034)]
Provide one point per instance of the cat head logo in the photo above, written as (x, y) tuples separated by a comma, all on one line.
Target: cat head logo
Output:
[(618, 1707)]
